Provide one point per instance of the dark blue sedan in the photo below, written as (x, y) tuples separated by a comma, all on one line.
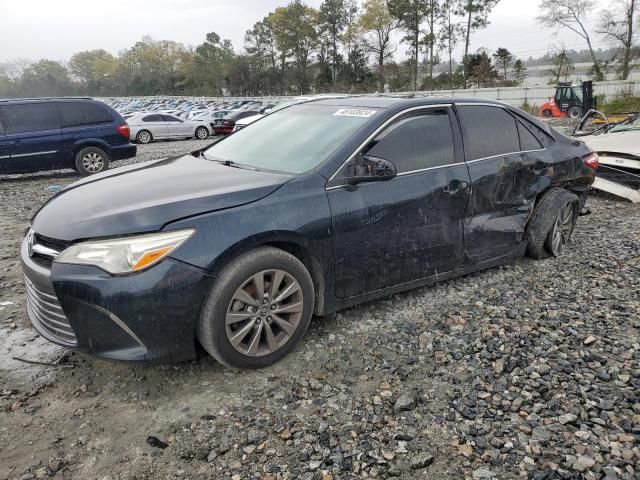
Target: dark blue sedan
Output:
[(312, 209)]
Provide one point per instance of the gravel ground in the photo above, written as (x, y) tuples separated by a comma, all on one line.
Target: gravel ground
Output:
[(531, 370)]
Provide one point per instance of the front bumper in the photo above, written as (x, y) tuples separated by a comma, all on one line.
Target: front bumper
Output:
[(148, 316)]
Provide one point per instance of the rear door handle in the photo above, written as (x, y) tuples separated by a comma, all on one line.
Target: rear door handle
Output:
[(455, 186)]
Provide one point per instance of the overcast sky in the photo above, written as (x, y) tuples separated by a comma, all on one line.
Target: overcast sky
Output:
[(35, 29)]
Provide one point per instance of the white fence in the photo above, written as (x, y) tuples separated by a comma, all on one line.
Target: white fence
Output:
[(515, 96)]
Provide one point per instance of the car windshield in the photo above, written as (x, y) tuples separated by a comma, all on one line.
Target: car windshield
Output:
[(292, 140), (632, 124)]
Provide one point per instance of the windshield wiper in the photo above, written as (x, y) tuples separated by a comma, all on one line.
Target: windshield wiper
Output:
[(228, 163)]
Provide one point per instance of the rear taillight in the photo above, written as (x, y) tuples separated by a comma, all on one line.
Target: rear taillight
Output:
[(124, 130), (591, 161)]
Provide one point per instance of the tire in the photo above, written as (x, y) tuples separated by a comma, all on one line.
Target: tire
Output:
[(556, 206), (144, 137), (574, 113), (253, 320), (91, 160), (547, 114), (202, 133)]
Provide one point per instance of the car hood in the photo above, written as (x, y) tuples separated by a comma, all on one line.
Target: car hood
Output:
[(627, 143), (144, 197)]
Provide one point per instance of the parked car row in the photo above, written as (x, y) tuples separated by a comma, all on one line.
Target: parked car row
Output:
[(158, 119)]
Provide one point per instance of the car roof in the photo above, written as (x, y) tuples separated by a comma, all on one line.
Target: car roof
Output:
[(394, 101), (43, 99)]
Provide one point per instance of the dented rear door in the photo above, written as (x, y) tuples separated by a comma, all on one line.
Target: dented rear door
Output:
[(504, 177)]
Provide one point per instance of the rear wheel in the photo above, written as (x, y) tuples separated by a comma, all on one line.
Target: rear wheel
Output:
[(144, 137), (91, 160), (202, 133), (547, 114), (258, 309), (552, 223)]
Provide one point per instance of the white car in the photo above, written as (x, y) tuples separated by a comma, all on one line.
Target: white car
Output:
[(619, 146), (147, 127)]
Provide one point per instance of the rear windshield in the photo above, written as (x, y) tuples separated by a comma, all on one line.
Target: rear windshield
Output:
[(293, 140)]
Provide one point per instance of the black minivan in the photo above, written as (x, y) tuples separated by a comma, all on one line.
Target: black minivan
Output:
[(311, 209), (54, 133)]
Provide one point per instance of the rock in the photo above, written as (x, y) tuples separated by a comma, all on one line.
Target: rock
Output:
[(483, 473), (540, 434), (249, 449), (155, 442), (421, 460), (567, 418), (585, 462), (590, 340), (405, 402), (315, 464), (212, 456)]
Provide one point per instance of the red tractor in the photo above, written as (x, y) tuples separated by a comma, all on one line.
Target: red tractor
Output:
[(570, 101)]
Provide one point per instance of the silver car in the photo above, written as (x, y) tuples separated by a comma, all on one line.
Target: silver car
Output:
[(147, 127)]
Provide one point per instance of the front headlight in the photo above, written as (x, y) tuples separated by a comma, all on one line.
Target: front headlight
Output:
[(125, 255)]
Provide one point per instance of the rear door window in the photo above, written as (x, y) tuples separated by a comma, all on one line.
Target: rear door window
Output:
[(30, 117), (488, 131), (152, 118), (169, 118), (83, 113), (528, 140), (417, 142)]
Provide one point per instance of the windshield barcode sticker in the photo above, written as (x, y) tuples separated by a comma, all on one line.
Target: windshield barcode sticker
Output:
[(354, 112)]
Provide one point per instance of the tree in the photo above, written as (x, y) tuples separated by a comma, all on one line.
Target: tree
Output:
[(572, 15), (519, 72), (450, 34), (482, 72), (211, 61), (332, 22), (616, 24), (410, 14), (46, 78), (435, 10), (504, 59), (378, 24), (96, 68), (476, 13), (562, 65), (260, 46), (294, 28)]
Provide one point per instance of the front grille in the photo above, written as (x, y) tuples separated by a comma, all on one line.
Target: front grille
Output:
[(58, 245), (47, 315)]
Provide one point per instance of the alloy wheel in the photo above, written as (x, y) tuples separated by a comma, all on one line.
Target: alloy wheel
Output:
[(562, 229), (202, 133), (92, 162), (144, 137), (264, 313)]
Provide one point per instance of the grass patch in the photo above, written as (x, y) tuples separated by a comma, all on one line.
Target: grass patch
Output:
[(624, 104)]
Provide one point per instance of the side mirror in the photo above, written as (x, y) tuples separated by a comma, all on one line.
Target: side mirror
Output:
[(364, 168)]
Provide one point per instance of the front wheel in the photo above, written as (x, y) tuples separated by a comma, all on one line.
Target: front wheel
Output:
[(574, 113), (547, 114), (91, 160), (202, 133), (259, 308)]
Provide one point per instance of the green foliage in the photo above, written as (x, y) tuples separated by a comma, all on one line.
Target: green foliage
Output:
[(621, 104), (296, 49)]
